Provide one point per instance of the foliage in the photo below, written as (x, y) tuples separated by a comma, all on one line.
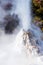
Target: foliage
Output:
[(37, 10)]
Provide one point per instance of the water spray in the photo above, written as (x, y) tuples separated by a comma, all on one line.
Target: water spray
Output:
[(24, 10)]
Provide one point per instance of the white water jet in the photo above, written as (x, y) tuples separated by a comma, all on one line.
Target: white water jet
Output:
[(24, 12), (23, 8)]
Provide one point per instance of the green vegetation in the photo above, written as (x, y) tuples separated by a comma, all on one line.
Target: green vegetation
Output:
[(37, 10)]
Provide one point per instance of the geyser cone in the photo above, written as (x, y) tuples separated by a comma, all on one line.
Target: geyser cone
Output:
[(30, 42)]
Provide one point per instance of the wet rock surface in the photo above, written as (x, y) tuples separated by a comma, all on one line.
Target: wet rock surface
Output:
[(7, 6), (12, 21), (31, 42)]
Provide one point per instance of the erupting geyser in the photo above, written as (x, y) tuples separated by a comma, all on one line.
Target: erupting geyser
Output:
[(21, 42), (23, 8), (30, 39)]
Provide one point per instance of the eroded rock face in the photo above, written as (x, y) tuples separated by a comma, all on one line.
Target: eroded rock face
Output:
[(7, 6), (12, 21), (30, 42)]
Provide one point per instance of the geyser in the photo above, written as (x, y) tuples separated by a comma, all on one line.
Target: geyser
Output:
[(24, 10)]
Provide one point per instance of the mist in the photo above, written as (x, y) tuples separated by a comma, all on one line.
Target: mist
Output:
[(12, 50), (24, 11)]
